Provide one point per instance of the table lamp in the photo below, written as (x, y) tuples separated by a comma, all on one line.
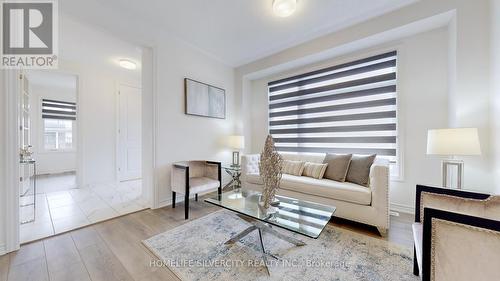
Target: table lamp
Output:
[(453, 142), (237, 143)]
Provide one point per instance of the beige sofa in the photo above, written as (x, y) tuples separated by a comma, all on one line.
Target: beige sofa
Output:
[(368, 205)]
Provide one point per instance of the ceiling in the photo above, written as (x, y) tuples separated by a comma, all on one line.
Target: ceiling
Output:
[(238, 31)]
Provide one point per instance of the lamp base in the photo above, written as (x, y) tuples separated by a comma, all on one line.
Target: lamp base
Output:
[(452, 172), (236, 159)]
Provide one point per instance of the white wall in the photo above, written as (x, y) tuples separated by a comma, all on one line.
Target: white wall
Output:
[(92, 55), (495, 86), (49, 162), (183, 137), (468, 54), (422, 101), (3, 156)]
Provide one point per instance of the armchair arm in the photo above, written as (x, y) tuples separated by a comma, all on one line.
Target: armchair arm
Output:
[(475, 260), (213, 170), (179, 179)]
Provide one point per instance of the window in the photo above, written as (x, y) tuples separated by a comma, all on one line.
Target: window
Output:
[(58, 125), (347, 108)]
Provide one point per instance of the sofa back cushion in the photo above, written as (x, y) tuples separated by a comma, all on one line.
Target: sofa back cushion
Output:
[(314, 170), (293, 167), (306, 157), (338, 164), (359, 169)]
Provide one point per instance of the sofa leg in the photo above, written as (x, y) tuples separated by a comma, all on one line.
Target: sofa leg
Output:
[(173, 199), (382, 231), (416, 272)]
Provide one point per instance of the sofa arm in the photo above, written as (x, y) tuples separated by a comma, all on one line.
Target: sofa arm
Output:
[(249, 165), (379, 185)]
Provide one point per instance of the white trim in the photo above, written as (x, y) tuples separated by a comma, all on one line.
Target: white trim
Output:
[(12, 88), (149, 126), (401, 208)]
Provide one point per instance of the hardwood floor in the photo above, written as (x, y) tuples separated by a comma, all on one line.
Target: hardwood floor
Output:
[(112, 250)]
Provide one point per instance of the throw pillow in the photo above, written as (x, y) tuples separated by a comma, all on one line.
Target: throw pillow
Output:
[(294, 168), (359, 169), (338, 164), (314, 170)]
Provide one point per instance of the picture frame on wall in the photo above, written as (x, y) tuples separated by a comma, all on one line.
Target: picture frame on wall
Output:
[(202, 99)]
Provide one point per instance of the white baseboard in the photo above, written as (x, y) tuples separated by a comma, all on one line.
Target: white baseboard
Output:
[(401, 208)]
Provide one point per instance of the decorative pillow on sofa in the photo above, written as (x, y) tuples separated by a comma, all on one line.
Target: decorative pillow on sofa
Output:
[(294, 168), (338, 164), (359, 169), (314, 170)]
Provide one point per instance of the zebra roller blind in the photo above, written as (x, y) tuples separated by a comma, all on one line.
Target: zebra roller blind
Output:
[(53, 109), (347, 108)]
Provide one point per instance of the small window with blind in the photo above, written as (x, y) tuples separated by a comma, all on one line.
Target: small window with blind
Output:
[(58, 125), (347, 108)]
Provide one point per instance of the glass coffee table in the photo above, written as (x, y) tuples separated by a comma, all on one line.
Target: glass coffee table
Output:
[(298, 216)]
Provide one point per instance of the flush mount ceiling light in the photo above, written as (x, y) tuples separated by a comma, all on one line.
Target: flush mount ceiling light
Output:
[(128, 64), (284, 8)]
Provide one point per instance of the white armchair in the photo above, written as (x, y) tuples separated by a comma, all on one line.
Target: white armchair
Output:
[(194, 177)]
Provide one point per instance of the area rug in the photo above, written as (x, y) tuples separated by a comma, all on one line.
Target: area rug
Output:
[(196, 251)]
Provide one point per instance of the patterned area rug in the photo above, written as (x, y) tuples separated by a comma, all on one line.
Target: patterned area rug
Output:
[(196, 251)]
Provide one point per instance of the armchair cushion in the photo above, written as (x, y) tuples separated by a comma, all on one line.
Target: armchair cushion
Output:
[(202, 184), (203, 176)]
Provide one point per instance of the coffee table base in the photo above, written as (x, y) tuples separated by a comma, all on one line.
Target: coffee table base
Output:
[(262, 227)]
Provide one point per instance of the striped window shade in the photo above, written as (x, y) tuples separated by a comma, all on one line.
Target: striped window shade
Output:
[(62, 110), (347, 108)]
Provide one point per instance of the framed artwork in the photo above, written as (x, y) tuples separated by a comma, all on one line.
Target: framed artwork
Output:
[(204, 100)]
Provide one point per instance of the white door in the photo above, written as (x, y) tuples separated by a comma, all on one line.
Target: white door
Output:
[(129, 133)]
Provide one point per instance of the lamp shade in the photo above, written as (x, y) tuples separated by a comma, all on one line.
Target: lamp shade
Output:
[(460, 141), (236, 142)]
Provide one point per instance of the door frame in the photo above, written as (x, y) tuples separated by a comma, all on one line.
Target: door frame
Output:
[(10, 182), (118, 112)]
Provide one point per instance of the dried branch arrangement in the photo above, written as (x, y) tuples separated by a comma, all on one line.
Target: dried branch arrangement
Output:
[(270, 166)]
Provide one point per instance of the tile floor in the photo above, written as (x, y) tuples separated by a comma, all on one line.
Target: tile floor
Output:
[(61, 209)]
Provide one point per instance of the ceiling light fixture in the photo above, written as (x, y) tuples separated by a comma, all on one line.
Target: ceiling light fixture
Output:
[(128, 64), (284, 8)]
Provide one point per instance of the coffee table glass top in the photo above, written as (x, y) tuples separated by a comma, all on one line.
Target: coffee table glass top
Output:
[(303, 217)]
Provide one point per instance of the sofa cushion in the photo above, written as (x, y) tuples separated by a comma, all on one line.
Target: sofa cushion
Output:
[(359, 169), (293, 167), (338, 164), (343, 191), (254, 178), (314, 170), (417, 238)]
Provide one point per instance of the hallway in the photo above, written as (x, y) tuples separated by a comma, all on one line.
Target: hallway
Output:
[(61, 207)]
